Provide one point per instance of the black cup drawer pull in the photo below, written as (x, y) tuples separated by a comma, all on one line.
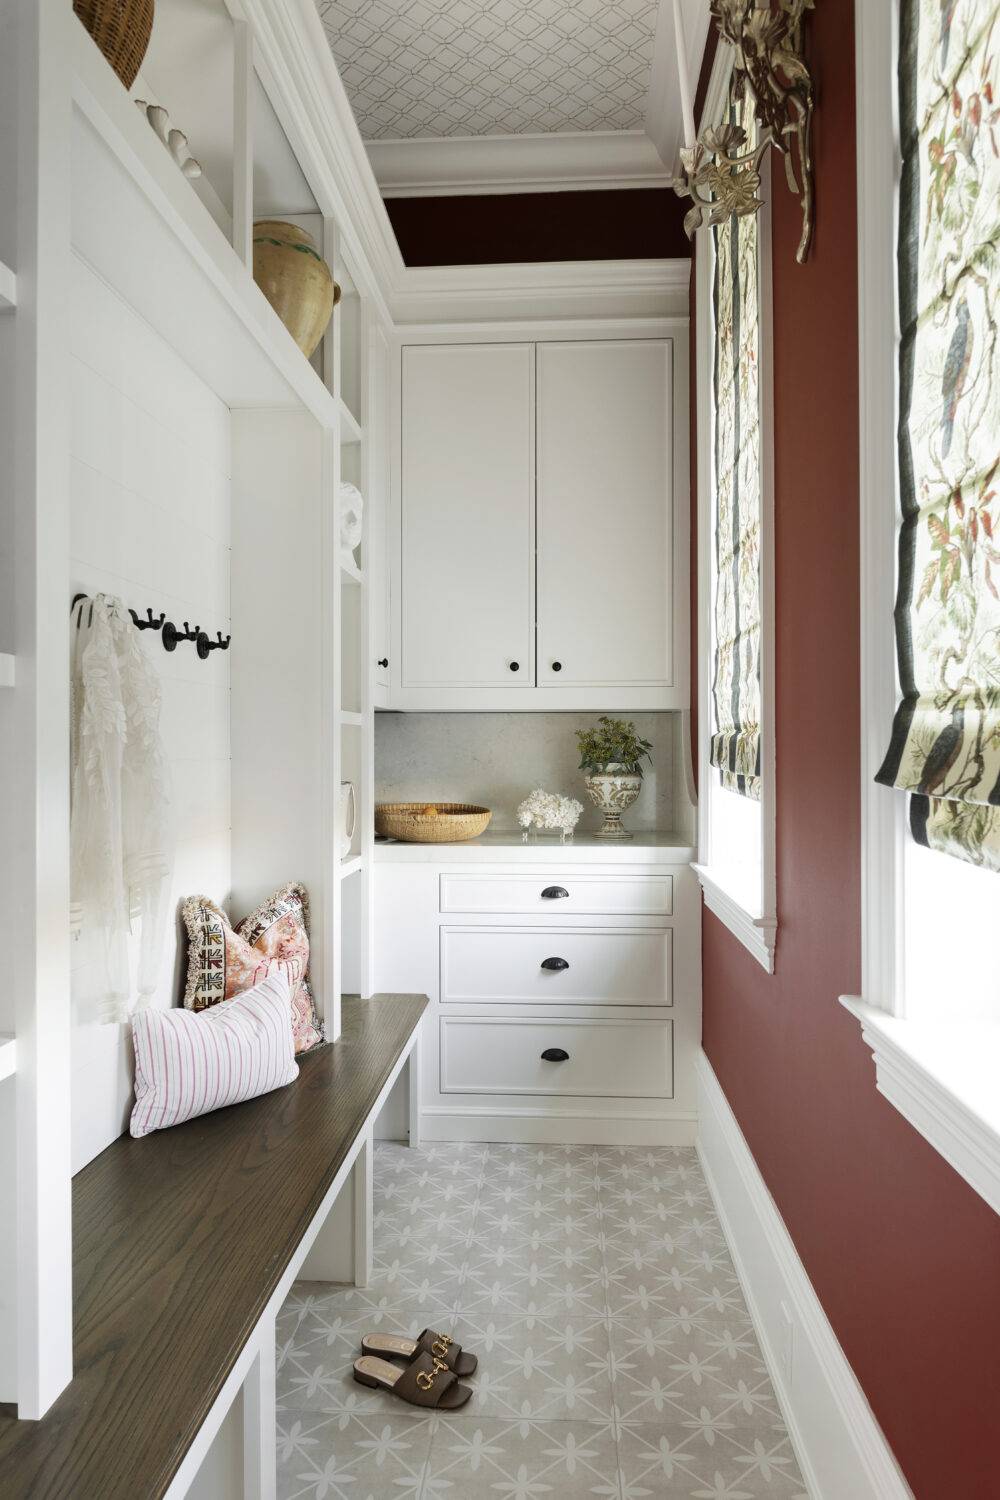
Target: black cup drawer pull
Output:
[(554, 893), (555, 963), (555, 1054)]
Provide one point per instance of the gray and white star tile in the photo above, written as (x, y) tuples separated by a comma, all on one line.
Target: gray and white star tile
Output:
[(617, 1353)]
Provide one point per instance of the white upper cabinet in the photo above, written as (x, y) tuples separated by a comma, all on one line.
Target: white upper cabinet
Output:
[(604, 514), (468, 522), (539, 530)]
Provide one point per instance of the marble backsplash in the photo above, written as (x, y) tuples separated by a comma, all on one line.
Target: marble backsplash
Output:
[(497, 759)]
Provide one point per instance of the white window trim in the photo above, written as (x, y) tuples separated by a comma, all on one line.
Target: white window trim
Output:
[(940, 1076), (751, 918)]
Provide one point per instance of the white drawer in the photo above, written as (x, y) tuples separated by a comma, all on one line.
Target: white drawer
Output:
[(604, 1059), (556, 894), (557, 965)]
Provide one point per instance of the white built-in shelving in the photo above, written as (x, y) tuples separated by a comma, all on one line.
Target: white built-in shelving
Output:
[(179, 253), (351, 427), (8, 1056), (8, 287)]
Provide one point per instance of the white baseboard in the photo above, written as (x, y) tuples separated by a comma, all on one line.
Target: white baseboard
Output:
[(545, 1127), (841, 1449)]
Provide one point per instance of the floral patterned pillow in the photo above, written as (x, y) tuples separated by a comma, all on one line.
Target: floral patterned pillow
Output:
[(224, 961)]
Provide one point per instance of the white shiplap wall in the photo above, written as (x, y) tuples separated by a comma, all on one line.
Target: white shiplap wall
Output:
[(150, 499)]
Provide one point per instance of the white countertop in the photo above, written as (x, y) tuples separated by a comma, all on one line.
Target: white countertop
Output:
[(584, 848)]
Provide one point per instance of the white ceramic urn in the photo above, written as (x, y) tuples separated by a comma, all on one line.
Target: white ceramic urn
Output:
[(613, 790)]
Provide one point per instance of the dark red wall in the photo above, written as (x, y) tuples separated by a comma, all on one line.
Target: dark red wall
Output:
[(633, 223), (905, 1257)]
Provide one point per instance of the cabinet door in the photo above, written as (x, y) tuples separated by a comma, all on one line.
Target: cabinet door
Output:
[(378, 500), (468, 516), (604, 514)]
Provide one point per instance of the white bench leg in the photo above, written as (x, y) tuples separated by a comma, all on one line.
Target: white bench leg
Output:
[(260, 1460), (413, 1080), (364, 1211), (234, 1456), (342, 1250)]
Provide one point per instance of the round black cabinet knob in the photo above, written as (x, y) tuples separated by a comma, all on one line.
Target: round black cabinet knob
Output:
[(554, 893), (383, 661), (557, 666), (555, 1054), (515, 666), (555, 964)]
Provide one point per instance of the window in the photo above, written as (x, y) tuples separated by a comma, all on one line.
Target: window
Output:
[(736, 814), (929, 261)]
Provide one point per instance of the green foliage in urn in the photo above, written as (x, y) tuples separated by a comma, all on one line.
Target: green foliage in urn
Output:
[(612, 742)]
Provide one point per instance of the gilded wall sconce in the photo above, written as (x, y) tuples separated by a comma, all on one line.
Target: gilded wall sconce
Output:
[(721, 172)]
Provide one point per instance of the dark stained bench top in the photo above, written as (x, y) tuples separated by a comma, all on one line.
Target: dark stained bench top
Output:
[(179, 1240)]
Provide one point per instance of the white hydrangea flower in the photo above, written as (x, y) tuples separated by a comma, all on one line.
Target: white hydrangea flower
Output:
[(550, 812)]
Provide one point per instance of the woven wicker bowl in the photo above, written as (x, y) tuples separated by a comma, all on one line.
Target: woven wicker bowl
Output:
[(121, 29), (453, 822)]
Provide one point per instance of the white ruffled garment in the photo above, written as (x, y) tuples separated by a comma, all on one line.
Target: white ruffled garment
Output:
[(121, 827)]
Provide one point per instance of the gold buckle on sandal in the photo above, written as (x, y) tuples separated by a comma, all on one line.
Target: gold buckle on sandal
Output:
[(426, 1378)]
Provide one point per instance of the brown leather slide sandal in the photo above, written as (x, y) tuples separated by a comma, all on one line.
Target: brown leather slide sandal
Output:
[(440, 1345), (423, 1382)]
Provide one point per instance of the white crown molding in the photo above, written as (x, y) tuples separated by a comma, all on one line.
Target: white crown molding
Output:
[(943, 1080), (560, 161), (664, 125), (841, 1449), (553, 289)]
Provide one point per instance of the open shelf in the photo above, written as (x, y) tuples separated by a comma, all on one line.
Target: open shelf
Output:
[(350, 570), (355, 721), (6, 669), (174, 267), (8, 1056), (8, 287), (351, 430), (351, 866)]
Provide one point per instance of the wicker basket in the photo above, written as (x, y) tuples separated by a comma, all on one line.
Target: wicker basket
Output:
[(451, 823), (121, 28)]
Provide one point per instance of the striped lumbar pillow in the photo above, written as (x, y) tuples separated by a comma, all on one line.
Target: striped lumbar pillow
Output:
[(188, 1063)]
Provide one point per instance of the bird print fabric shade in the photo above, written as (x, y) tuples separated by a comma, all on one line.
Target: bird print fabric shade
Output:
[(735, 740), (945, 746)]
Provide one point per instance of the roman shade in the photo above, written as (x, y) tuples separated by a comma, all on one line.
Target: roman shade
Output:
[(735, 740), (945, 742)]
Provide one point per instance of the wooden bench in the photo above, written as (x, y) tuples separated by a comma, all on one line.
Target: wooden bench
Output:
[(185, 1246)]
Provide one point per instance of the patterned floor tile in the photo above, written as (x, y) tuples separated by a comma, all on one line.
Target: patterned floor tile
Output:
[(617, 1354), (354, 1458), (533, 1293), (491, 1460), (545, 1369), (670, 1465)]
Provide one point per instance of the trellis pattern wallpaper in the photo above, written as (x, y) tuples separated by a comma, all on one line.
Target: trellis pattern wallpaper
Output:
[(735, 741), (946, 737), (485, 67)]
